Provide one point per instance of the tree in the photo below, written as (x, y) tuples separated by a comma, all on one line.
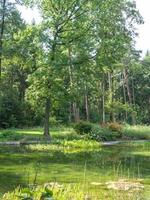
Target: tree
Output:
[(60, 23), (71, 65)]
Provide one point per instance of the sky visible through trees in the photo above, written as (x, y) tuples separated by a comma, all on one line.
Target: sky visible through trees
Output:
[(143, 39)]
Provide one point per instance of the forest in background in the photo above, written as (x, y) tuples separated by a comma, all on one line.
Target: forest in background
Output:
[(79, 63)]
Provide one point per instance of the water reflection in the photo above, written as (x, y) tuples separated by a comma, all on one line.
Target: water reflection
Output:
[(20, 165)]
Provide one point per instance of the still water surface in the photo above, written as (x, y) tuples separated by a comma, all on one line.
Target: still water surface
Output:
[(20, 166)]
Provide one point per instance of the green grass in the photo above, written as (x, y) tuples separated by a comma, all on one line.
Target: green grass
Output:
[(61, 134), (69, 192), (136, 132), (37, 134)]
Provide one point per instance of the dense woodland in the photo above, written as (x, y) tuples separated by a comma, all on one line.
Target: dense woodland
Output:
[(79, 63)]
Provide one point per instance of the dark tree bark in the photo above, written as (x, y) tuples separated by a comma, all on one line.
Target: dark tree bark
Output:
[(2, 33), (46, 120), (48, 101), (125, 98), (76, 112), (103, 99), (86, 104), (70, 112), (126, 78), (75, 108), (111, 90)]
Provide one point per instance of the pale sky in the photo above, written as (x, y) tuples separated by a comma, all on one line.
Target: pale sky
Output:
[(143, 41)]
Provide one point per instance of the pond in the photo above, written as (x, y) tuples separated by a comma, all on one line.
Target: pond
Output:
[(20, 166)]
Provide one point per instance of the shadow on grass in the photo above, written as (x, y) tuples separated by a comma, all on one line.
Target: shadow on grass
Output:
[(10, 180), (57, 133)]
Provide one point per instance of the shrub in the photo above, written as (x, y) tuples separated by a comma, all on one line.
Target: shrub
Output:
[(114, 126), (103, 134), (10, 135), (100, 134), (54, 122), (83, 127)]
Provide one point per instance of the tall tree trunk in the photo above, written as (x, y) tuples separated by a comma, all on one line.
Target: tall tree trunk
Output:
[(133, 92), (86, 104), (76, 112), (129, 95), (125, 99), (113, 96), (46, 120), (70, 112), (2, 33), (111, 91), (103, 99), (72, 106), (48, 100)]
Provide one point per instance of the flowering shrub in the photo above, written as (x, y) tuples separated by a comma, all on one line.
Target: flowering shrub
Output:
[(114, 126)]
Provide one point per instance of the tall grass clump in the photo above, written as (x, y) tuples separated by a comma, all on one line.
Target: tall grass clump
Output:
[(54, 191), (136, 132)]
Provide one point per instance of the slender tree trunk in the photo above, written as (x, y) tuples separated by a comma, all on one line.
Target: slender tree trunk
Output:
[(86, 107), (111, 91), (133, 92), (125, 99), (70, 112), (76, 112), (129, 95), (46, 120), (103, 98), (72, 105), (86, 104), (2, 33), (48, 101), (113, 96)]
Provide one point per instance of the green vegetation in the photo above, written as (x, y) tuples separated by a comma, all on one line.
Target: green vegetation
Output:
[(104, 134), (68, 136), (78, 64), (31, 134), (76, 76), (83, 127), (75, 172), (134, 132), (59, 192)]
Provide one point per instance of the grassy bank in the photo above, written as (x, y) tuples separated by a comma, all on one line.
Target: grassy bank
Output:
[(136, 132), (62, 136), (68, 136), (37, 134)]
